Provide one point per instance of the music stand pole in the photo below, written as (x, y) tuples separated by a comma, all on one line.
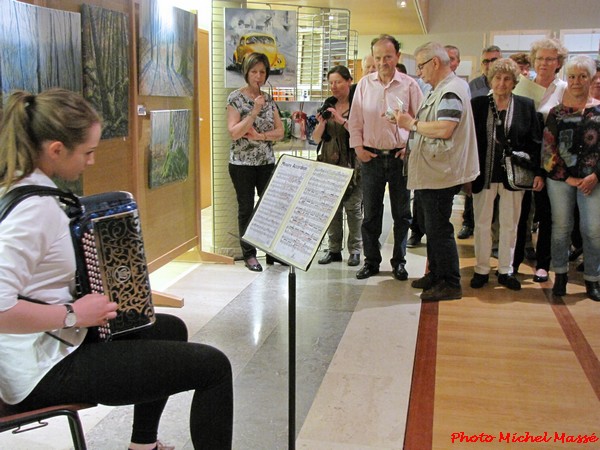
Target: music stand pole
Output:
[(292, 359)]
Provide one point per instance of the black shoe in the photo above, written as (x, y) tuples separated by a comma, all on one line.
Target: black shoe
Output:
[(509, 280), (575, 253), (354, 259), (465, 232), (560, 284), (540, 278), (442, 291), (479, 280), (414, 240), (592, 288), (330, 257), (530, 254), (252, 264), (367, 271), (400, 273), (425, 282)]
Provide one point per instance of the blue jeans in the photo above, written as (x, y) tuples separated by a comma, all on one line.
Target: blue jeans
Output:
[(441, 245), (248, 182), (375, 175), (563, 199)]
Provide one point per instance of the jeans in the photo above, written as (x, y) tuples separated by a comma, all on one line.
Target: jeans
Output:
[(143, 369), (564, 200), (248, 182), (352, 203), (509, 211), (375, 175), (441, 245)]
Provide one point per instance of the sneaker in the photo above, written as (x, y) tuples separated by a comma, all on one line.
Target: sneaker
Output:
[(479, 280), (442, 291), (465, 232), (414, 240), (509, 280)]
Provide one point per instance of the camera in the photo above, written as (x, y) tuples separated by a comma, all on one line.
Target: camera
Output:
[(323, 110)]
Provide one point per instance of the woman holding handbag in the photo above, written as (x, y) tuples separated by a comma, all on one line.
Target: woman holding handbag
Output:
[(571, 158), (504, 123)]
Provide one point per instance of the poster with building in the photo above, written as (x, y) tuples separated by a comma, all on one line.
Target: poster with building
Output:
[(264, 31)]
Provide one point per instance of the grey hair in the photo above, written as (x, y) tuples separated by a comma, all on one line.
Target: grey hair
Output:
[(434, 49), (550, 44), (491, 48), (504, 65), (582, 62)]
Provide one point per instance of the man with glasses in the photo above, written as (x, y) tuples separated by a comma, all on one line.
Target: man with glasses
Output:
[(442, 156), (380, 145)]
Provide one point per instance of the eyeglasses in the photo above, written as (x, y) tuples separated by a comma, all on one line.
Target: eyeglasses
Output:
[(546, 60), (488, 61), (420, 66)]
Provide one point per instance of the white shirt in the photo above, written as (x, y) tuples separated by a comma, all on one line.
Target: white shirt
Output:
[(552, 97), (37, 260)]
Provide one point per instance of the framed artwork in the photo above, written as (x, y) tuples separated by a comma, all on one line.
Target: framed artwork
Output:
[(40, 48), (169, 158), (264, 31), (105, 50), (166, 49)]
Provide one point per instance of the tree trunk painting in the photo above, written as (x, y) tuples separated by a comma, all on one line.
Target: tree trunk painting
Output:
[(169, 146), (40, 48), (166, 49), (105, 47)]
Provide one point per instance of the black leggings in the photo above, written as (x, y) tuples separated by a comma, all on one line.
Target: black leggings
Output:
[(143, 369)]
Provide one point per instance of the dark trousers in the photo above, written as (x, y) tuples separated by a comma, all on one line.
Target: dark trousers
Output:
[(468, 215), (376, 174), (248, 182), (416, 227), (442, 252), (544, 216), (143, 369)]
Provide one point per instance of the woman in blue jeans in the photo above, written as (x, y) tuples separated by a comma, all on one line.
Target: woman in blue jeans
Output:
[(47, 356), (571, 157)]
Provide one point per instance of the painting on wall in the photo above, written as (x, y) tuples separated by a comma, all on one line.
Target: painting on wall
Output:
[(264, 31), (169, 146), (105, 52), (166, 49), (40, 48)]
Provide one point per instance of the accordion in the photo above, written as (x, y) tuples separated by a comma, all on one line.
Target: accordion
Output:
[(108, 242), (109, 250)]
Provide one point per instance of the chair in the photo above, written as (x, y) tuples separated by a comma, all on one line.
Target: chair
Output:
[(11, 420)]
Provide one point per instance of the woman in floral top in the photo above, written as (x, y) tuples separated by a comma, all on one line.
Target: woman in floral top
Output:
[(571, 158), (253, 122)]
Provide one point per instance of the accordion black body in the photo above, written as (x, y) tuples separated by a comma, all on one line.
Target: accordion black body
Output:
[(110, 251)]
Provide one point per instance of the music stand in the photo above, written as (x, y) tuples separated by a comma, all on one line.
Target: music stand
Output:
[(289, 223)]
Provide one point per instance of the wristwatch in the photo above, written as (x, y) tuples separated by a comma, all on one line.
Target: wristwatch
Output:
[(70, 318), (414, 125)]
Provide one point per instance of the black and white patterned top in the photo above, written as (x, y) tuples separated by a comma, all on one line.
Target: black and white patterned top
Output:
[(243, 151)]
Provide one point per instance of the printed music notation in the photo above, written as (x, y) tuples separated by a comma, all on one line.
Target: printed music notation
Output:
[(297, 208)]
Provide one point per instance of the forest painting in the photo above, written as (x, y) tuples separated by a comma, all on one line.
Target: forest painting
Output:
[(105, 47), (166, 49), (169, 146), (40, 48)]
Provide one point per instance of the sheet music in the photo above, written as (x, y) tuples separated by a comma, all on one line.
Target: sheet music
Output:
[(528, 88), (297, 208)]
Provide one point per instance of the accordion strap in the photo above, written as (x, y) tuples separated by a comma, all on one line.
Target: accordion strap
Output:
[(13, 197)]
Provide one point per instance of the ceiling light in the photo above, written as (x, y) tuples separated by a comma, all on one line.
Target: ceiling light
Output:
[(401, 3)]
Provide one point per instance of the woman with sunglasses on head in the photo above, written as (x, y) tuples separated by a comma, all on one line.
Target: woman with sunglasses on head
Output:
[(571, 158), (254, 124), (47, 356)]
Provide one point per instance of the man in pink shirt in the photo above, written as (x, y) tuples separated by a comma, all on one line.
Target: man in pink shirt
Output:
[(380, 145)]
